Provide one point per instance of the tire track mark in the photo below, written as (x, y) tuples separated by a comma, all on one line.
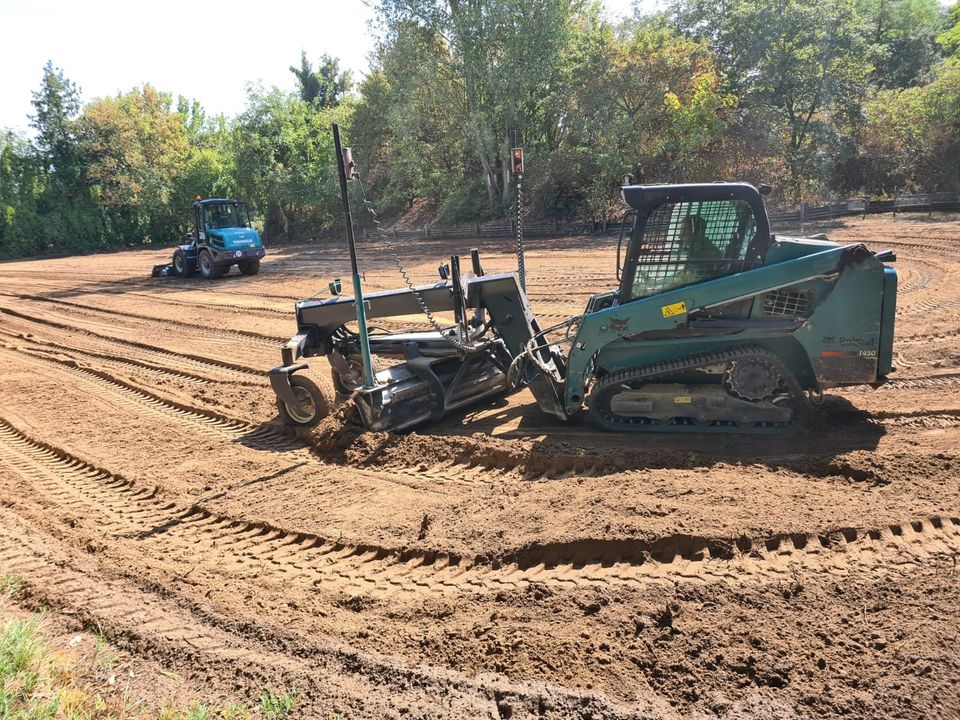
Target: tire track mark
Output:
[(212, 362), (137, 365), (260, 552), (247, 335), (138, 398)]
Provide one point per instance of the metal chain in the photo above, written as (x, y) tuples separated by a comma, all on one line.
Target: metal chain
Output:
[(455, 342), (521, 268)]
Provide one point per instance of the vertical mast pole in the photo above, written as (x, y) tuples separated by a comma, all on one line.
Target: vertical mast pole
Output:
[(351, 241)]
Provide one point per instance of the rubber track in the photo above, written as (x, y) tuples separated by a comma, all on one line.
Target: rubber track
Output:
[(260, 553), (660, 369)]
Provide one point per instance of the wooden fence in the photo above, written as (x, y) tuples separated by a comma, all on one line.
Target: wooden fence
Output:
[(929, 203)]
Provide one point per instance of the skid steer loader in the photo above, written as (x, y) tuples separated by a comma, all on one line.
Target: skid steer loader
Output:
[(716, 326)]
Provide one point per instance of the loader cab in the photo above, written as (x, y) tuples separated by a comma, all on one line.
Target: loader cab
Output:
[(216, 214), (687, 234)]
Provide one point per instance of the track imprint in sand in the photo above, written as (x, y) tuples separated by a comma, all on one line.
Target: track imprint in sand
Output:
[(246, 335), (410, 575), (137, 397), (143, 514), (220, 365)]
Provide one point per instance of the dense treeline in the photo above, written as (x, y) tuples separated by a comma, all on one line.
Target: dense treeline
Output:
[(820, 99)]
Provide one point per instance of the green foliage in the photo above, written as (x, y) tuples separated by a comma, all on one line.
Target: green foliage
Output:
[(23, 655), (910, 139), (10, 586), (902, 38), (39, 683), (407, 132), (327, 86), (284, 162), (822, 98), (135, 146), (649, 102), (949, 39), (276, 705)]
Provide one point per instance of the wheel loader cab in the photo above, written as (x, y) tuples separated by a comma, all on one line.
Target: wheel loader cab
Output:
[(686, 234), (218, 215)]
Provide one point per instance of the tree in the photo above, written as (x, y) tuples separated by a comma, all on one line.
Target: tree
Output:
[(284, 161), (902, 34), (56, 105), (803, 64), (21, 184), (949, 39), (509, 58), (66, 215), (325, 88), (406, 126), (135, 148), (647, 101)]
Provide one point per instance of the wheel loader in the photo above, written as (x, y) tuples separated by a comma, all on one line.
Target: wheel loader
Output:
[(222, 237), (715, 326)]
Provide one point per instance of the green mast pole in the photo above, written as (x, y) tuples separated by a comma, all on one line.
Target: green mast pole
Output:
[(357, 288)]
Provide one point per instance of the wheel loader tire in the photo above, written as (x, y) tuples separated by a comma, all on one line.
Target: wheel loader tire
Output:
[(209, 269), (249, 267), (180, 265), (313, 405)]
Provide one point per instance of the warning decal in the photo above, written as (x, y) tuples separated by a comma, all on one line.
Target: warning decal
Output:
[(673, 310)]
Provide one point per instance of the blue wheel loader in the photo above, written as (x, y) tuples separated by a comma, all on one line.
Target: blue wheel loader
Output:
[(715, 325), (222, 237)]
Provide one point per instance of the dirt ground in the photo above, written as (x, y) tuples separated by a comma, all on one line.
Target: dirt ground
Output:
[(498, 565)]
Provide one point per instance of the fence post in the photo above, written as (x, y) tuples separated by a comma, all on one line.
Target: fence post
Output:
[(804, 211), (426, 231)]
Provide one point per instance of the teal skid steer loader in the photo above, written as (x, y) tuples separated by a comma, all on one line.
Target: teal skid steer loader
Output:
[(716, 325)]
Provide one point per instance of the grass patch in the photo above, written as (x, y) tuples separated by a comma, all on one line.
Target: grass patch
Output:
[(39, 683), (276, 706), (10, 586)]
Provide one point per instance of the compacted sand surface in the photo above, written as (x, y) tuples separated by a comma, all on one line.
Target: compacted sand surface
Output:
[(500, 564)]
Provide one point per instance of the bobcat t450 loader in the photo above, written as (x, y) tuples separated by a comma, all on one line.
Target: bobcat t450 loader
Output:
[(716, 326)]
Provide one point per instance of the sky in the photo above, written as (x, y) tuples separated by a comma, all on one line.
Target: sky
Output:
[(205, 51)]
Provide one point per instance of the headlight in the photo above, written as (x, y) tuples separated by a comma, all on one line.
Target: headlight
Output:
[(238, 253)]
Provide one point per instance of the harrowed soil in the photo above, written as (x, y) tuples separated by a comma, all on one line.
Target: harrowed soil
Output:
[(500, 563)]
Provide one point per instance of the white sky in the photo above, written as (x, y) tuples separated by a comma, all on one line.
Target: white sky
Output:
[(207, 51)]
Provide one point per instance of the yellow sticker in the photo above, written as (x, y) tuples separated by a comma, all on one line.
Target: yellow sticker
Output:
[(682, 400), (670, 311)]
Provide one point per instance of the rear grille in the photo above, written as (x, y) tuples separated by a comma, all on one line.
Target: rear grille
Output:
[(786, 303)]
